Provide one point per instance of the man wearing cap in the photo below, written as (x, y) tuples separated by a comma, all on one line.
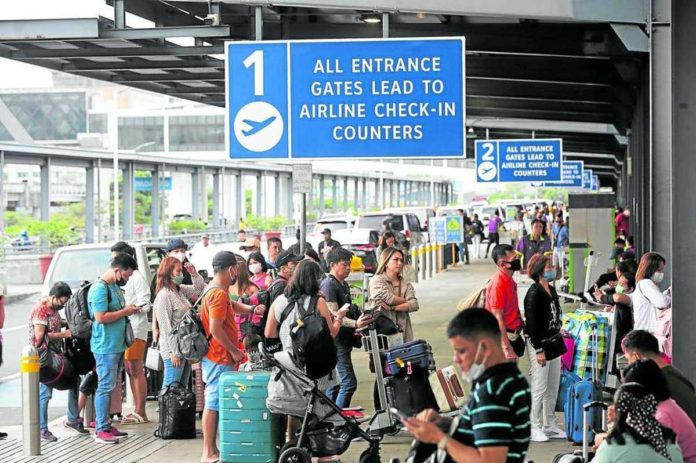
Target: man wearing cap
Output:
[(250, 245), (327, 245), (217, 317), (202, 255), (285, 263)]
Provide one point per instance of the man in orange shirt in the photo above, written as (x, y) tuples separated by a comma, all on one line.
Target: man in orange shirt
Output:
[(223, 355), (501, 300)]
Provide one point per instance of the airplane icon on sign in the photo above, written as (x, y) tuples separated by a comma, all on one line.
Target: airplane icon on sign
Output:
[(257, 126)]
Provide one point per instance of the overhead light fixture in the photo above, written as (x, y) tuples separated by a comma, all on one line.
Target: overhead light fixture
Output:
[(371, 18)]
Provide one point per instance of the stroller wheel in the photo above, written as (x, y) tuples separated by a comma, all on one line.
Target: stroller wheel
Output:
[(370, 456), (295, 455)]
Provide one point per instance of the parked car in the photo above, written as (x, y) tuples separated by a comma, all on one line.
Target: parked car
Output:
[(453, 210), (86, 262), (363, 243), (406, 223), (334, 224), (423, 213)]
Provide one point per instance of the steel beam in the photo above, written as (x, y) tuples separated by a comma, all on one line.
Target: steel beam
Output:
[(684, 165), (89, 204), (45, 189), (180, 76), (166, 32), (130, 52), (120, 14), (144, 64)]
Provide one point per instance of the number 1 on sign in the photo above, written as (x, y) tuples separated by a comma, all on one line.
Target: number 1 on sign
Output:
[(256, 59)]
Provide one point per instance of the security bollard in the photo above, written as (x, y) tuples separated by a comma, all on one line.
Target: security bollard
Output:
[(431, 256), (415, 262), (424, 269), (29, 368)]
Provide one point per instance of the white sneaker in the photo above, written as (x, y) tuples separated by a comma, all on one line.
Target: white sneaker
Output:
[(554, 432), (538, 435)]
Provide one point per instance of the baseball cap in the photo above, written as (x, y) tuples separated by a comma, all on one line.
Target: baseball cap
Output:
[(251, 243), (224, 259), (176, 243), (205, 235), (326, 230), (285, 257)]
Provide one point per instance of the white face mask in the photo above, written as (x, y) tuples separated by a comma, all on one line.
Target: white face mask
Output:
[(476, 369), (255, 268), (179, 255), (658, 277)]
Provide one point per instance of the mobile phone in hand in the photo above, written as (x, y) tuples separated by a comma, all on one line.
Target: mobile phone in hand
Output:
[(398, 414)]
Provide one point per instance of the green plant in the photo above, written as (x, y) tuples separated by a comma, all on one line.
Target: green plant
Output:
[(275, 223), (189, 226), (253, 222)]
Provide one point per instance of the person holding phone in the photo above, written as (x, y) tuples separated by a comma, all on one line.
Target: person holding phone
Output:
[(137, 293)]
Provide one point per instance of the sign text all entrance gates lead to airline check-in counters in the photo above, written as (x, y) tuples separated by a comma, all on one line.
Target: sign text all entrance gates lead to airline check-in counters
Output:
[(379, 98)]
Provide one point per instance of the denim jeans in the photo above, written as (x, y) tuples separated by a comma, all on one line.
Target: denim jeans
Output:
[(173, 374), (463, 251), (108, 369), (347, 382), (45, 394)]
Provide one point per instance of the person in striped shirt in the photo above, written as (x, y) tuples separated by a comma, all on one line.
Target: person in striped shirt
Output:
[(493, 426)]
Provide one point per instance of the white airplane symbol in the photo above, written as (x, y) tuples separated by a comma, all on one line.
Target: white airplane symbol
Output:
[(257, 126)]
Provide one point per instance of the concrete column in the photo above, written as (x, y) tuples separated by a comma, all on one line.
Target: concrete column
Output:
[(334, 193), (363, 202), (276, 192), (345, 194), (128, 209), (260, 212), (89, 203), (239, 199), (215, 220), (195, 195), (661, 135), (321, 196), (155, 205), (45, 189), (683, 206), (290, 204), (355, 194)]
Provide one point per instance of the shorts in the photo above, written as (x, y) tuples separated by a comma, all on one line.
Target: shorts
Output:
[(211, 377), (137, 350)]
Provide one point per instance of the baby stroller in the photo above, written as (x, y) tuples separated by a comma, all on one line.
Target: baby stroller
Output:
[(318, 438)]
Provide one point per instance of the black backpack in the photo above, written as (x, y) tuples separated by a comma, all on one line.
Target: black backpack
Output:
[(177, 405), (313, 347), (77, 312)]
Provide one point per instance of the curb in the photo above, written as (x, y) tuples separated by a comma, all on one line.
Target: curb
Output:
[(12, 298)]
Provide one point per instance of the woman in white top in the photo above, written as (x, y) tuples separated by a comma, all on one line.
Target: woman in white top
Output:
[(647, 298)]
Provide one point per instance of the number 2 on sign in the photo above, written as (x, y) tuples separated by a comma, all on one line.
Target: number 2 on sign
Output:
[(488, 155), (256, 59)]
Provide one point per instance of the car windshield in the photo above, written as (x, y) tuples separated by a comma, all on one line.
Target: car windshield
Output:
[(487, 211), (333, 226), (154, 254), (375, 221), (79, 265)]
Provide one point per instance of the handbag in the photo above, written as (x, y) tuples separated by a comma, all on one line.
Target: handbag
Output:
[(153, 359), (553, 346), (129, 335)]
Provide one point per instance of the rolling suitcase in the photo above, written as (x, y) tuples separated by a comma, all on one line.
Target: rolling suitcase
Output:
[(579, 394), (568, 379), (410, 393), (583, 456), (418, 354), (177, 406), (248, 430)]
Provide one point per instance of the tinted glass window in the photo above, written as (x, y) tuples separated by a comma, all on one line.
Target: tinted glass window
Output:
[(413, 223), (80, 265), (375, 221)]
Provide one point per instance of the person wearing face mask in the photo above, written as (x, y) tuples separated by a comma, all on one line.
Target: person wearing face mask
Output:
[(501, 300), (245, 314), (542, 311), (493, 426), (648, 299), (259, 271), (172, 302), (217, 317), (45, 328), (285, 263), (108, 309)]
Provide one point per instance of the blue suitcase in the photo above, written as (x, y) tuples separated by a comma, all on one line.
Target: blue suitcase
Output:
[(248, 430), (568, 379), (405, 356)]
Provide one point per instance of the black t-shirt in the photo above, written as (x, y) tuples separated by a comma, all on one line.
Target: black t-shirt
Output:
[(338, 293)]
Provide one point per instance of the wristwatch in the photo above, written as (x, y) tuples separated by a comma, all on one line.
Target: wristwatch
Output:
[(442, 445)]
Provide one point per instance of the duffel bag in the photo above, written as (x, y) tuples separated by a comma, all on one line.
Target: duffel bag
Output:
[(55, 370), (79, 354)]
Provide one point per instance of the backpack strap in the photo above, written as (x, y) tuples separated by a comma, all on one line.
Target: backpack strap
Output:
[(205, 292), (292, 303)]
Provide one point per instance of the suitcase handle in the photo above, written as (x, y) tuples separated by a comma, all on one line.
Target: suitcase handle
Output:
[(585, 418)]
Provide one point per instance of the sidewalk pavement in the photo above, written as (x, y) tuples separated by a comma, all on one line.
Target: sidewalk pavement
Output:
[(17, 293), (438, 298)]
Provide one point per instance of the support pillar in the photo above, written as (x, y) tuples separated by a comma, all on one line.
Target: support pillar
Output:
[(239, 200), (89, 203), (195, 194), (216, 200), (355, 194), (363, 202), (155, 205), (321, 196), (259, 195), (128, 216), (45, 189), (334, 193), (276, 192), (290, 213), (345, 194), (683, 206)]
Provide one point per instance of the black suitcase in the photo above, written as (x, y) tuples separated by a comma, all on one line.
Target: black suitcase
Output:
[(411, 394), (154, 383), (177, 409)]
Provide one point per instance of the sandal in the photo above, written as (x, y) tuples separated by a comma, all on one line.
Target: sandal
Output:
[(134, 418)]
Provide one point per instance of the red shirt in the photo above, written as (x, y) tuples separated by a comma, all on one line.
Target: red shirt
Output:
[(501, 294)]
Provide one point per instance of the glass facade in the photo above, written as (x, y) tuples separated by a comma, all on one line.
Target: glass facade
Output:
[(47, 115), (197, 133), (142, 133), (97, 123)]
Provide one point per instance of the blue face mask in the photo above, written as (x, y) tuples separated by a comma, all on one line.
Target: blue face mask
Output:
[(550, 275)]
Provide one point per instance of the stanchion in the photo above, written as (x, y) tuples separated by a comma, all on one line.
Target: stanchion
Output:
[(29, 368), (424, 270), (415, 261), (431, 258)]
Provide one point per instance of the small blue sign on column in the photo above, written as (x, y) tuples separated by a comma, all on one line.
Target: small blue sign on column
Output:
[(346, 99), (595, 182), (145, 184), (438, 230), (572, 175), (532, 160), (587, 179), (454, 229)]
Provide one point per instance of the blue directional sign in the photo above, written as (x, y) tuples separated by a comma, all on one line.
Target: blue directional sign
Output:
[(572, 175), (595, 182), (587, 179), (145, 184), (438, 230), (533, 160), (346, 99), (454, 229)]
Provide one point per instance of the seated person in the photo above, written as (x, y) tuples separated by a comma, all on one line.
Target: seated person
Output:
[(494, 425)]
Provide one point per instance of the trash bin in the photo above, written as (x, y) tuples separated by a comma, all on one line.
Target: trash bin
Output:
[(272, 234), (44, 262)]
